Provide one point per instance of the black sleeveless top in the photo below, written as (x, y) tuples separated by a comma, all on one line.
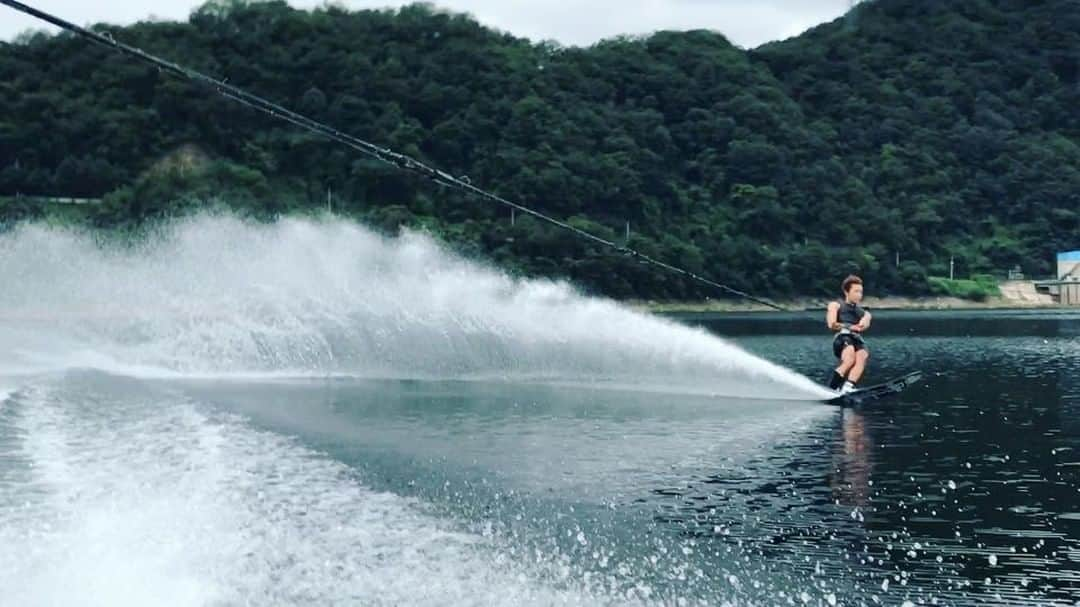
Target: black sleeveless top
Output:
[(850, 314)]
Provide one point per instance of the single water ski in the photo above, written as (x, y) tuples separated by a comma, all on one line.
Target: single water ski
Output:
[(872, 393)]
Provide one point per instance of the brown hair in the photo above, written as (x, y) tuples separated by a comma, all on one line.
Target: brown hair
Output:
[(850, 280)]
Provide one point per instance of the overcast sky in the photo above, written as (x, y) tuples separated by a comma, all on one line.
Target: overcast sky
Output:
[(746, 23)]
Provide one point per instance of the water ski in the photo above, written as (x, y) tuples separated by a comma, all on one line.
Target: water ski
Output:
[(872, 393)]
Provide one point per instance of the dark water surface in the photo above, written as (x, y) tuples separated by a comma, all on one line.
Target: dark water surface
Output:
[(968, 486)]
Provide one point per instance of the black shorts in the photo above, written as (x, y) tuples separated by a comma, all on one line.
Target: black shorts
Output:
[(844, 340)]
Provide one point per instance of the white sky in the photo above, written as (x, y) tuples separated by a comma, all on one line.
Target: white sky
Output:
[(747, 23)]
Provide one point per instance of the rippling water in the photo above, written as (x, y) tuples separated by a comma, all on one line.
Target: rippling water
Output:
[(966, 489), (963, 491), (156, 446)]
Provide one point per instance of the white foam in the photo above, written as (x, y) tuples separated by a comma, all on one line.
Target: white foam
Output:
[(216, 296)]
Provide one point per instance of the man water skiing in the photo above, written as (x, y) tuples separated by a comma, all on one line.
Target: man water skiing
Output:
[(849, 321)]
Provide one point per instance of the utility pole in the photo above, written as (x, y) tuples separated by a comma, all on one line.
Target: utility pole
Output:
[(513, 216), (628, 232), (329, 202), (952, 261)]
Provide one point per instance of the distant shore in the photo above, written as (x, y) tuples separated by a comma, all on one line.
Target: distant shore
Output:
[(873, 303), (1015, 294)]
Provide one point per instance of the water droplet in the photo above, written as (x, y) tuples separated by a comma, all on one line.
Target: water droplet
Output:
[(993, 560)]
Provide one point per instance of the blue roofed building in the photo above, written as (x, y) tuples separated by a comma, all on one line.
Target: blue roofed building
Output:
[(1066, 288), (1068, 265)]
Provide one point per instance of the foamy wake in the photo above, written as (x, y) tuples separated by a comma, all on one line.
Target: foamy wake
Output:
[(140, 502)]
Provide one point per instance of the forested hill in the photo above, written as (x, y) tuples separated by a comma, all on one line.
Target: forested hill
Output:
[(921, 128)]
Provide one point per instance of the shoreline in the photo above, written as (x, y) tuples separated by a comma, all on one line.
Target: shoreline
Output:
[(809, 304)]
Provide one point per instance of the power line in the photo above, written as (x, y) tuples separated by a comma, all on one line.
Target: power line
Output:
[(384, 154)]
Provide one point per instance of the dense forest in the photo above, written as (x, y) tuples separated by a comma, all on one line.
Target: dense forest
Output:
[(904, 134)]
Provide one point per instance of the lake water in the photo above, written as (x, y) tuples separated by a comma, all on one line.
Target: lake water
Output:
[(965, 490), (273, 433)]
